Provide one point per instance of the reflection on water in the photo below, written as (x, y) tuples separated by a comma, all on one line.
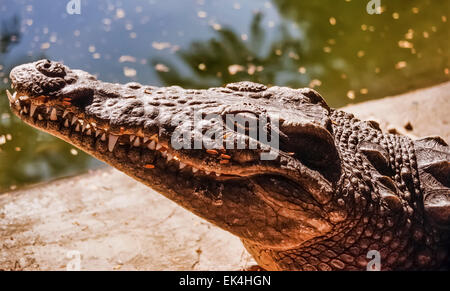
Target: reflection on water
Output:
[(332, 46)]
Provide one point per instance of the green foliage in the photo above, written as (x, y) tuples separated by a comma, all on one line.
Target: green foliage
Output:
[(334, 46)]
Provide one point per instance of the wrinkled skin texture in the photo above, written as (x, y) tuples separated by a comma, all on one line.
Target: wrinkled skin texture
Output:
[(337, 188)]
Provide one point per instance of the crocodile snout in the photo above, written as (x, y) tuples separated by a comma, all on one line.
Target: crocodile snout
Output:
[(43, 77)]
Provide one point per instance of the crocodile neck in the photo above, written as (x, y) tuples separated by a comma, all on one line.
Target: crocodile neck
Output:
[(399, 233)]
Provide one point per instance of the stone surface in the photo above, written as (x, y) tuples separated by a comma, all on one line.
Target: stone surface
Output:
[(111, 222)]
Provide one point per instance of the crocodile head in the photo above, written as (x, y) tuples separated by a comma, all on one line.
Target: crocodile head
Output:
[(304, 186), (133, 128)]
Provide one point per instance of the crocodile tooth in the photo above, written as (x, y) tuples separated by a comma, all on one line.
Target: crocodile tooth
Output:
[(23, 98), (218, 174), (12, 98), (132, 138), (77, 128), (103, 138), (158, 146), (65, 113), (66, 123), (169, 157), (32, 109), (194, 170), (88, 132), (40, 117), (97, 132), (145, 139), (47, 110), (137, 142), (53, 115), (74, 119), (182, 165), (25, 109), (152, 145), (83, 128), (154, 137), (164, 154), (112, 142), (207, 172)]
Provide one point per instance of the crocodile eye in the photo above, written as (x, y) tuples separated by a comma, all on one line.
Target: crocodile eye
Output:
[(51, 69)]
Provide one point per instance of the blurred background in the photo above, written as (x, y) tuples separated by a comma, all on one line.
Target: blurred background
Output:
[(333, 46)]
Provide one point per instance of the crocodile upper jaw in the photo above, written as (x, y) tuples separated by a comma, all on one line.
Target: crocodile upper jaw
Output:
[(83, 110)]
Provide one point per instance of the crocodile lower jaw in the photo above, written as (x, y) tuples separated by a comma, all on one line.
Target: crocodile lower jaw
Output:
[(69, 126)]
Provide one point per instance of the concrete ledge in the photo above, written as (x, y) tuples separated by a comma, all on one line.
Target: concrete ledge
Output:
[(115, 223)]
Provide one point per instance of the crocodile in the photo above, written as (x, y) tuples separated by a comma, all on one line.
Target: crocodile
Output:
[(338, 194)]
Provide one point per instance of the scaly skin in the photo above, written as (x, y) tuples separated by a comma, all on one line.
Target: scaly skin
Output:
[(337, 189)]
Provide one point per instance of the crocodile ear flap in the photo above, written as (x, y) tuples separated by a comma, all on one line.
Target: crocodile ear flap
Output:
[(437, 192), (433, 161), (313, 145)]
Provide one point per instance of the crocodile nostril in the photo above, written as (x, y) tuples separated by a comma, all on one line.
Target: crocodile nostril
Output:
[(51, 69)]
